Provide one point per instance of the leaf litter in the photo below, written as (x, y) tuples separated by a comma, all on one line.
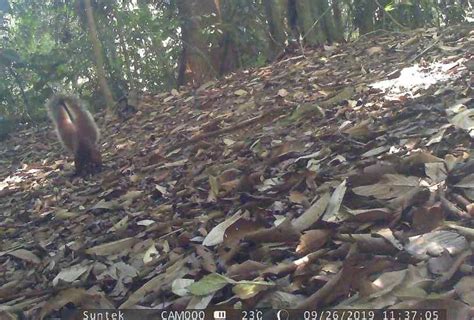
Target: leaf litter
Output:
[(323, 180)]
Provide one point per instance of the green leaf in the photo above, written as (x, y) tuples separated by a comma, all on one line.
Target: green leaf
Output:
[(209, 284)]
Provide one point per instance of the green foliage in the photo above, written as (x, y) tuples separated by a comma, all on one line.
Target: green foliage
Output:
[(389, 7), (45, 46)]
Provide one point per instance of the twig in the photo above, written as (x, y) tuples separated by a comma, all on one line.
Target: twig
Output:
[(426, 50), (170, 233)]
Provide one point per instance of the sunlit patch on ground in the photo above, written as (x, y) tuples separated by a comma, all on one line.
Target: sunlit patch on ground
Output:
[(11, 180), (22, 175), (415, 78)]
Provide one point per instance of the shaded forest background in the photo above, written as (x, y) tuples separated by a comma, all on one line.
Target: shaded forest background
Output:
[(150, 46)]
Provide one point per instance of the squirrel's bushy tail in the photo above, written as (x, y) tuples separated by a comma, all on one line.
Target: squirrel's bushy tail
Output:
[(77, 131)]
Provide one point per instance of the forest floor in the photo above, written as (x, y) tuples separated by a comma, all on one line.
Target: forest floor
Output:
[(338, 177)]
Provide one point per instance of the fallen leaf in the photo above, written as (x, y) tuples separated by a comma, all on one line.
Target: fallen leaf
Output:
[(216, 235), (391, 186), (464, 289), (116, 247), (209, 284), (70, 274), (180, 287), (25, 255), (464, 120), (312, 240), (331, 214), (312, 214), (246, 270)]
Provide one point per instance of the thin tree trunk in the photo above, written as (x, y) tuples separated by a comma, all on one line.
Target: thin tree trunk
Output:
[(99, 61)]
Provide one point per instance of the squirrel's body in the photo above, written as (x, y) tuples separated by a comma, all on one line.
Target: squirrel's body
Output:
[(77, 132)]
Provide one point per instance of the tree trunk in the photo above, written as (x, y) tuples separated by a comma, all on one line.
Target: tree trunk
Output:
[(418, 18), (338, 24), (227, 51), (364, 16), (99, 61), (307, 16), (324, 14), (276, 12), (196, 56)]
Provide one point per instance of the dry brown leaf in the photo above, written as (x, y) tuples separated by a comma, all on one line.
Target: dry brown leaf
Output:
[(464, 289), (284, 232), (421, 158), (121, 246), (312, 214), (71, 274), (440, 264), (375, 151), (208, 259), (25, 255), (368, 243), (245, 271), (175, 271), (426, 219), (298, 197), (391, 186), (216, 235), (360, 129), (464, 120), (312, 240), (332, 211)]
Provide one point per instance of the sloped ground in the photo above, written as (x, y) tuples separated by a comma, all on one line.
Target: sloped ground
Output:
[(305, 184)]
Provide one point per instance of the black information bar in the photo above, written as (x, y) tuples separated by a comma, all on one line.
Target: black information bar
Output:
[(263, 314)]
